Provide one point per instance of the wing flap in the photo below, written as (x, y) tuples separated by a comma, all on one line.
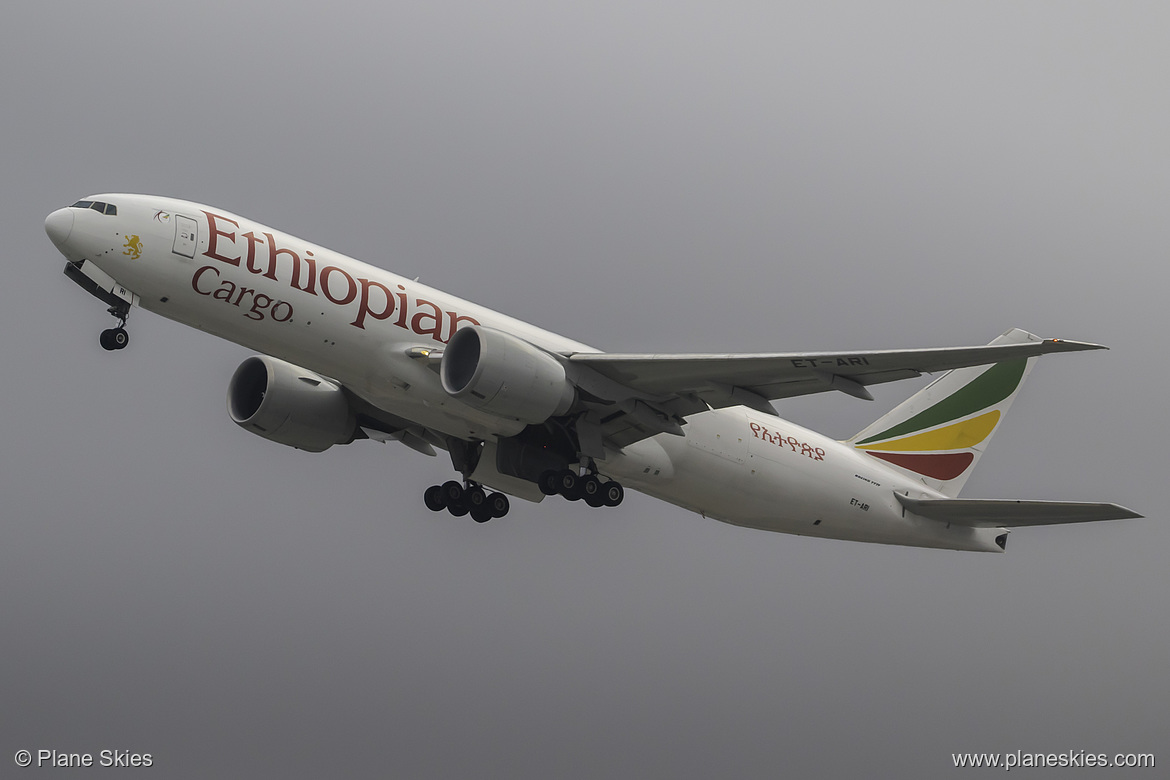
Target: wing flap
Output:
[(1009, 513)]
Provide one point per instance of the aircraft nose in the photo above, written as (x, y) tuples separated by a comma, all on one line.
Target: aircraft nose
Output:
[(59, 225)]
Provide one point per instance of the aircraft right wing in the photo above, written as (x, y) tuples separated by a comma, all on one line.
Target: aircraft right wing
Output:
[(787, 374), (652, 393)]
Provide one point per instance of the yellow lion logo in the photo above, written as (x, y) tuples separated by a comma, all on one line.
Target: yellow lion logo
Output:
[(133, 247)]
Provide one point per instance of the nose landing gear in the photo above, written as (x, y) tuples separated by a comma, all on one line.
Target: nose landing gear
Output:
[(117, 338)]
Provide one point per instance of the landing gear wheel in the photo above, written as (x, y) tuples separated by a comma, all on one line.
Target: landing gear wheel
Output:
[(549, 483), (569, 485), (433, 498), (499, 504), (591, 491), (481, 513), (452, 493), (613, 493), (475, 497), (114, 338)]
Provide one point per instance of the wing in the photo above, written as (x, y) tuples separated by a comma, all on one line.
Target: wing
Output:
[(787, 374), (1001, 513), (660, 390)]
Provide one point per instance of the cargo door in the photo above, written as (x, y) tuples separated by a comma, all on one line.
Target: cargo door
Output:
[(186, 236)]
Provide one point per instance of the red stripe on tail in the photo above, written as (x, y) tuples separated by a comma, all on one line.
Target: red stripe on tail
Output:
[(944, 466)]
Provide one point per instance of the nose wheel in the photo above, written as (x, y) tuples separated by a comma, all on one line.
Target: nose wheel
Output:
[(116, 338)]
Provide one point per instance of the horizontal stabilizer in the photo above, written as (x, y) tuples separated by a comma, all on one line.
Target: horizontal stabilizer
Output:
[(996, 513)]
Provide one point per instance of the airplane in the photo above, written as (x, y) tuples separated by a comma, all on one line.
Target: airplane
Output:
[(350, 351)]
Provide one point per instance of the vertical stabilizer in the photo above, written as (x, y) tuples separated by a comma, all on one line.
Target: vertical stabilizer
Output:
[(939, 433)]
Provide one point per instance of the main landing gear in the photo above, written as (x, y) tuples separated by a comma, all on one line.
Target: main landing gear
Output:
[(472, 499), (460, 500), (117, 338), (575, 487)]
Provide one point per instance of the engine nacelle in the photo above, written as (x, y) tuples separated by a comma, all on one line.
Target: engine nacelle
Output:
[(289, 405), (505, 376)]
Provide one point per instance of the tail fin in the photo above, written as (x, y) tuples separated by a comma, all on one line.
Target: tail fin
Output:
[(939, 433)]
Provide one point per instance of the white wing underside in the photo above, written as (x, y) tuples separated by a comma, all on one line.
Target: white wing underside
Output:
[(641, 395), (787, 374)]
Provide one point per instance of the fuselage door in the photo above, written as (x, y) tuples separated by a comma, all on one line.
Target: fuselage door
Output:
[(186, 236)]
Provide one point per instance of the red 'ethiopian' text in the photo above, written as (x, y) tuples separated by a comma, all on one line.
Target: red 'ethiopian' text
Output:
[(261, 255)]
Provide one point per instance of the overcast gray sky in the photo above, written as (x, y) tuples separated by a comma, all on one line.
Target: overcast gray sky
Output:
[(638, 176)]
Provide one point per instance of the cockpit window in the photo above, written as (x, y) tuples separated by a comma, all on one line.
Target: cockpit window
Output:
[(96, 205)]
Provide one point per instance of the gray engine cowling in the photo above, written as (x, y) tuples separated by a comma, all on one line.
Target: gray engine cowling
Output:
[(505, 376), (290, 405)]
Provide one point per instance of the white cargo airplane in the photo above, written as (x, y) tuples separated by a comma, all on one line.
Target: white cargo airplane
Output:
[(350, 351)]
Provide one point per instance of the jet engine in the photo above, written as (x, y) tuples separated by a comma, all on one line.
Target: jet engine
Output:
[(505, 376), (289, 405)]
